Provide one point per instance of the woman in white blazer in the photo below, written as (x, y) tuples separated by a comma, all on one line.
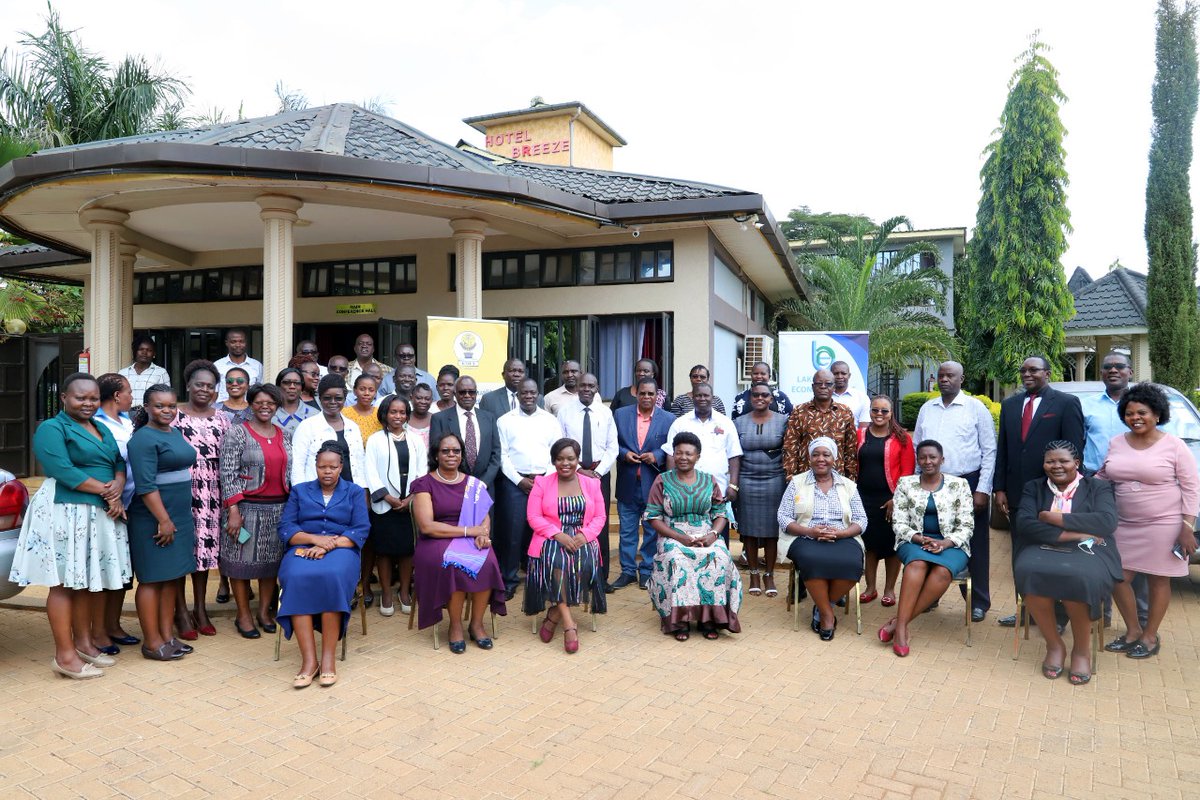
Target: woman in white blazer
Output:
[(328, 425), (395, 457)]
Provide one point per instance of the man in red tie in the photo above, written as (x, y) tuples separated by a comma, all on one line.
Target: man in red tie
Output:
[(1029, 420)]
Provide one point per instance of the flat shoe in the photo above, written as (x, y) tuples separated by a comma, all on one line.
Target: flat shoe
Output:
[(900, 650), (458, 648), (885, 635), (867, 597), (189, 635), (546, 634), (1139, 649), (128, 641), (250, 633), (110, 650), (99, 660), (268, 627), (1120, 645), (816, 620), (483, 642), (88, 671), (302, 681), (222, 597), (164, 653), (328, 679), (888, 601), (186, 649), (208, 630), (386, 611)]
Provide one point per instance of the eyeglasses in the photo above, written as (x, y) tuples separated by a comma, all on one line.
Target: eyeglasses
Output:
[(761, 394), (333, 398), (881, 411), (290, 383), (451, 451), (1114, 365), (312, 352), (466, 392), (822, 384), (1031, 370), (339, 369), (406, 356), (263, 404), (234, 381)]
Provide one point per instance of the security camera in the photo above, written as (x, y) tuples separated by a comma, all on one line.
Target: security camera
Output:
[(636, 232)]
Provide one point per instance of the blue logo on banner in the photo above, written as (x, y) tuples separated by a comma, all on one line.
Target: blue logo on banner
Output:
[(822, 356)]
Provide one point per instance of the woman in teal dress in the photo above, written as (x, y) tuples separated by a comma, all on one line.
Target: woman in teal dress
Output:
[(933, 517), (693, 578), (162, 534)]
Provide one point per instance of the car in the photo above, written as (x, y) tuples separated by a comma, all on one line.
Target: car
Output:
[(14, 500), (1184, 422)]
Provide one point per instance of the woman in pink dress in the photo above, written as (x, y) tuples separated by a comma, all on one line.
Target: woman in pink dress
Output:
[(1158, 491)]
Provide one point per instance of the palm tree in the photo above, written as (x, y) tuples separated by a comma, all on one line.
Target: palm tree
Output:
[(858, 284), (59, 93)]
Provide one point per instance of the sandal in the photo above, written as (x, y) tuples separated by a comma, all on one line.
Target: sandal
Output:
[(867, 597), (1078, 678), (711, 634), (755, 589), (770, 591), (1050, 673), (888, 600), (302, 681), (683, 634)]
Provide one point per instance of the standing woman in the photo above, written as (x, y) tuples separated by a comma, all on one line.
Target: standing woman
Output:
[(421, 419), (236, 407), (73, 539), (566, 511), (116, 399), (1158, 491), (162, 536), (762, 484), (445, 388), (320, 428), (292, 411), (255, 481), (885, 454), (311, 371), (395, 457), (363, 413), (203, 427)]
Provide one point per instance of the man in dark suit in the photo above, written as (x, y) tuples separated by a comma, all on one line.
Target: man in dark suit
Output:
[(503, 400), (641, 432), (1029, 420), (476, 427)]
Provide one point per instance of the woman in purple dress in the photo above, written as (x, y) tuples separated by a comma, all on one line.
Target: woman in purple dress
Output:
[(454, 555), (203, 427)]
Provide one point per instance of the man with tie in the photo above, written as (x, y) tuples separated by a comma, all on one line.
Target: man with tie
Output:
[(477, 429), (641, 433), (503, 400), (526, 435), (1029, 420), (588, 421)]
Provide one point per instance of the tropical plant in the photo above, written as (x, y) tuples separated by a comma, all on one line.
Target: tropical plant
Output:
[(860, 284), (1171, 285), (1015, 292), (803, 223), (57, 92)]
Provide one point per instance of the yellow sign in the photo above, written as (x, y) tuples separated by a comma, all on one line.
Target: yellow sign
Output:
[(478, 347), (354, 308)]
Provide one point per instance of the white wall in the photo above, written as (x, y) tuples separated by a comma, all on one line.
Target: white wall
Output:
[(726, 349)]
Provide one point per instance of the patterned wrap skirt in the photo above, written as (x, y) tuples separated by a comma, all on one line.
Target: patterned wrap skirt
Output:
[(695, 584), (258, 556)]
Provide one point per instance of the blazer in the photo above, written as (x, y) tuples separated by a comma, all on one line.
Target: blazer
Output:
[(1093, 511), (496, 401), (487, 465), (383, 467), (1059, 416), (346, 514), (314, 432), (71, 455), (898, 460), (542, 511), (631, 489), (955, 510)]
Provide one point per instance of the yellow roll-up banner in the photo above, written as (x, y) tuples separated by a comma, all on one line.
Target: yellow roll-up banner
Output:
[(478, 347)]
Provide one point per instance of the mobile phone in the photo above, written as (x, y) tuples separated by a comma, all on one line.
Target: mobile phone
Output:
[(243, 535), (1178, 552)]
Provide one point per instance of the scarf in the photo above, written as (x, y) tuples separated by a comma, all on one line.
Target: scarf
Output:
[(462, 552), (1062, 499)]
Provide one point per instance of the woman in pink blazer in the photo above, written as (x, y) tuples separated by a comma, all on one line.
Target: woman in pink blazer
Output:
[(566, 512)]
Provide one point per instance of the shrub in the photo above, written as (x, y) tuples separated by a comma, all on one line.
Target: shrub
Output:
[(910, 407)]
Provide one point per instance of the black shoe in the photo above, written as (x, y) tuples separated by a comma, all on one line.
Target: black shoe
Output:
[(625, 580), (458, 648), (369, 600), (1007, 622), (222, 598), (269, 627), (816, 620), (841, 603), (125, 640), (643, 581), (252, 633), (1120, 645), (977, 614), (483, 642), (110, 650), (509, 594), (827, 635), (1139, 649), (609, 588)]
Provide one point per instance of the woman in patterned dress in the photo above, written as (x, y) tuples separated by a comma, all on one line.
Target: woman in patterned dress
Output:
[(566, 512), (203, 427), (693, 578)]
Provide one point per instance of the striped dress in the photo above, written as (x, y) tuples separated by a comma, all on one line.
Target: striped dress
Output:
[(560, 576)]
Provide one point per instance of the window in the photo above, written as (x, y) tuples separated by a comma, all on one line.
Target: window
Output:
[(600, 265), (198, 286), (396, 275)]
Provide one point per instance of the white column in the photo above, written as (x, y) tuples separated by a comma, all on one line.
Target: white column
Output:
[(108, 288), (468, 259), (129, 254), (1081, 365), (279, 279), (1139, 354)]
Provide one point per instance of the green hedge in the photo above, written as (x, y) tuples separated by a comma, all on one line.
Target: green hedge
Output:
[(910, 407)]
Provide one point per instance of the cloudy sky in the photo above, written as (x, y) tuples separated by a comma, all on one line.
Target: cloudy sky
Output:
[(881, 108)]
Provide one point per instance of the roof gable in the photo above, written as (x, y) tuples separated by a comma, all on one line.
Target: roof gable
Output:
[(1118, 300)]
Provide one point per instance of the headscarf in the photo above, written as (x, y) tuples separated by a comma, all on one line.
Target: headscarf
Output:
[(823, 441)]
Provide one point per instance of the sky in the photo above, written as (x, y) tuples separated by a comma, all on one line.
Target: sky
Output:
[(878, 108)]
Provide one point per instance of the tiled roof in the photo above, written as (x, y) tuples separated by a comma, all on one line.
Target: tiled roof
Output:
[(22, 249), (1079, 279), (1118, 300), (614, 187)]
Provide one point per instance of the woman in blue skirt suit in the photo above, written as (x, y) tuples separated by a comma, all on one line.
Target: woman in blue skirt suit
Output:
[(324, 526)]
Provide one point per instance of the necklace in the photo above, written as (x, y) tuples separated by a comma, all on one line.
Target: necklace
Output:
[(437, 473)]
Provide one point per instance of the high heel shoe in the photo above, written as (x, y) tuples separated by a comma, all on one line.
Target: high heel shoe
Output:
[(571, 647), (900, 649), (547, 634), (268, 627)]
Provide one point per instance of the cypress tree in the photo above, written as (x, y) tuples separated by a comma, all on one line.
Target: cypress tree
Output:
[(1171, 286)]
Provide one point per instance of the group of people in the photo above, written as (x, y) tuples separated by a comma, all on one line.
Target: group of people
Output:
[(310, 484)]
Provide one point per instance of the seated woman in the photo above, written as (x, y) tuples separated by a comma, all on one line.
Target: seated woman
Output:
[(933, 516), (693, 578), (1065, 550), (566, 512), (324, 525), (454, 555), (821, 520)]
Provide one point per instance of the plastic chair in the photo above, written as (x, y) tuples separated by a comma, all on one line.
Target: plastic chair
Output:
[(1096, 629)]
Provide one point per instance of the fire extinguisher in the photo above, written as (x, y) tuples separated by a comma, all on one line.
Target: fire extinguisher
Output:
[(85, 360)]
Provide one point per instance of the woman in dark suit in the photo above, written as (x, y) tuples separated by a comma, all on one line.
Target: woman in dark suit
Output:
[(1064, 550), (324, 526)]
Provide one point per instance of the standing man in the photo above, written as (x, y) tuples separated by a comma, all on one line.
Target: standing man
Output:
[(405, 380), (761, 373), (526, 434), (591, 424), (847, 395), (503, 400), (477, 429), (682, 404), (406, 356), (307, 347), (641, 433), (235, 356), (1029, 420), (821, 417), (720, 448), (963, 426), (340, 365), (143, 372), (364, 356), (569, 373)]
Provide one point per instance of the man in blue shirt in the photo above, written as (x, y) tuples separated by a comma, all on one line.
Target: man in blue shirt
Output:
[(1100, 419)]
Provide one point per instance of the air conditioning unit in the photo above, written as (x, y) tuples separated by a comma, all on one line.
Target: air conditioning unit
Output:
[(754, 350)]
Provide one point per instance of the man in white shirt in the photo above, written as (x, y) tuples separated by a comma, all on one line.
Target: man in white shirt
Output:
[(235, 346), (569, 373), (526, 435), (143, 372), (720, 449), (847, 395), (591, 424), (963, 425), (307, 347)]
